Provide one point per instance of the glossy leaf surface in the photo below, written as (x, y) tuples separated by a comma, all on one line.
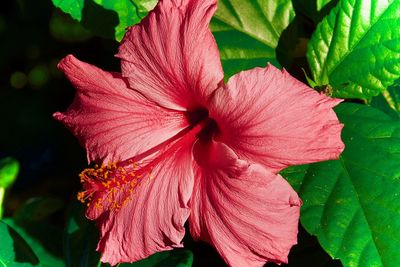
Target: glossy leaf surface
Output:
[(356, 49), (351, 204), (248, 32)]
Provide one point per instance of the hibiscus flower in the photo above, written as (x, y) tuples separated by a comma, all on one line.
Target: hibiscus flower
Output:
[(176, 144)]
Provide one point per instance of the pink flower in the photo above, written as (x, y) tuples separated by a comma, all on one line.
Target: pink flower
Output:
[(178, 144)]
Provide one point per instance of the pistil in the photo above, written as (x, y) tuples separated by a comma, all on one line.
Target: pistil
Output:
[(109, 187)]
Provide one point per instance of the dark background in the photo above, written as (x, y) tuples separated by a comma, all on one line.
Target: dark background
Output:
[(34, 37)]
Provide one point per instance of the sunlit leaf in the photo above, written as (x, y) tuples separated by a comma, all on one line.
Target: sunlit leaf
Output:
[(356, 49), (143, 6), (351, 204)]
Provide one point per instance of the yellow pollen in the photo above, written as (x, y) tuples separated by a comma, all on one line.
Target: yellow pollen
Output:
[(111, 186)]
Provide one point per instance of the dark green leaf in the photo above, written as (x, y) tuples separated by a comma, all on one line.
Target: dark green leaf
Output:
[(32, 222), (314, 10), (389, 101), (351, 204), (43, 238), (248, 32), (356, 49), (322, 3), (80, 239), (295, 174), (38, 209), (173, 258), (14, 251), (107, 18)]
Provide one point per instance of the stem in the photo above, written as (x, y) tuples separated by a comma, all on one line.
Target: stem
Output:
[(2, 193)]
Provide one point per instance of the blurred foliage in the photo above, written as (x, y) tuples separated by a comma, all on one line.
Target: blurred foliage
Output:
[(9, 169), (35, 36)]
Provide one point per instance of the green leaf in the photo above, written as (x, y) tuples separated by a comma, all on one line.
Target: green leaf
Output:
[(107, 18), (9, 169), (295, 175), (389, 101), (356, 49), (248, 32), (44, 240), (144, 6), (32, 222), (351, 204), (80, 239), (172, 258), (72, 7), (14, 251)]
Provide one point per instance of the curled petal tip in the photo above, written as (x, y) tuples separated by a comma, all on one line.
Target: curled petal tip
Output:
[(58, 116), (64, 61)]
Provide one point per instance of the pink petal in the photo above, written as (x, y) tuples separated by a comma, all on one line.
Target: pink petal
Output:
[(171, 56), (248, 213), (112, 121), (152, 220), (267, 116)]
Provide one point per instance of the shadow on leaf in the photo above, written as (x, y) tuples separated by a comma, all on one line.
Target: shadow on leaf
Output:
[(99, 20)]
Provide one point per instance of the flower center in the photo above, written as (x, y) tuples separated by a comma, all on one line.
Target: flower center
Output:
[(196, 116), (201, 115), (109, 187)]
